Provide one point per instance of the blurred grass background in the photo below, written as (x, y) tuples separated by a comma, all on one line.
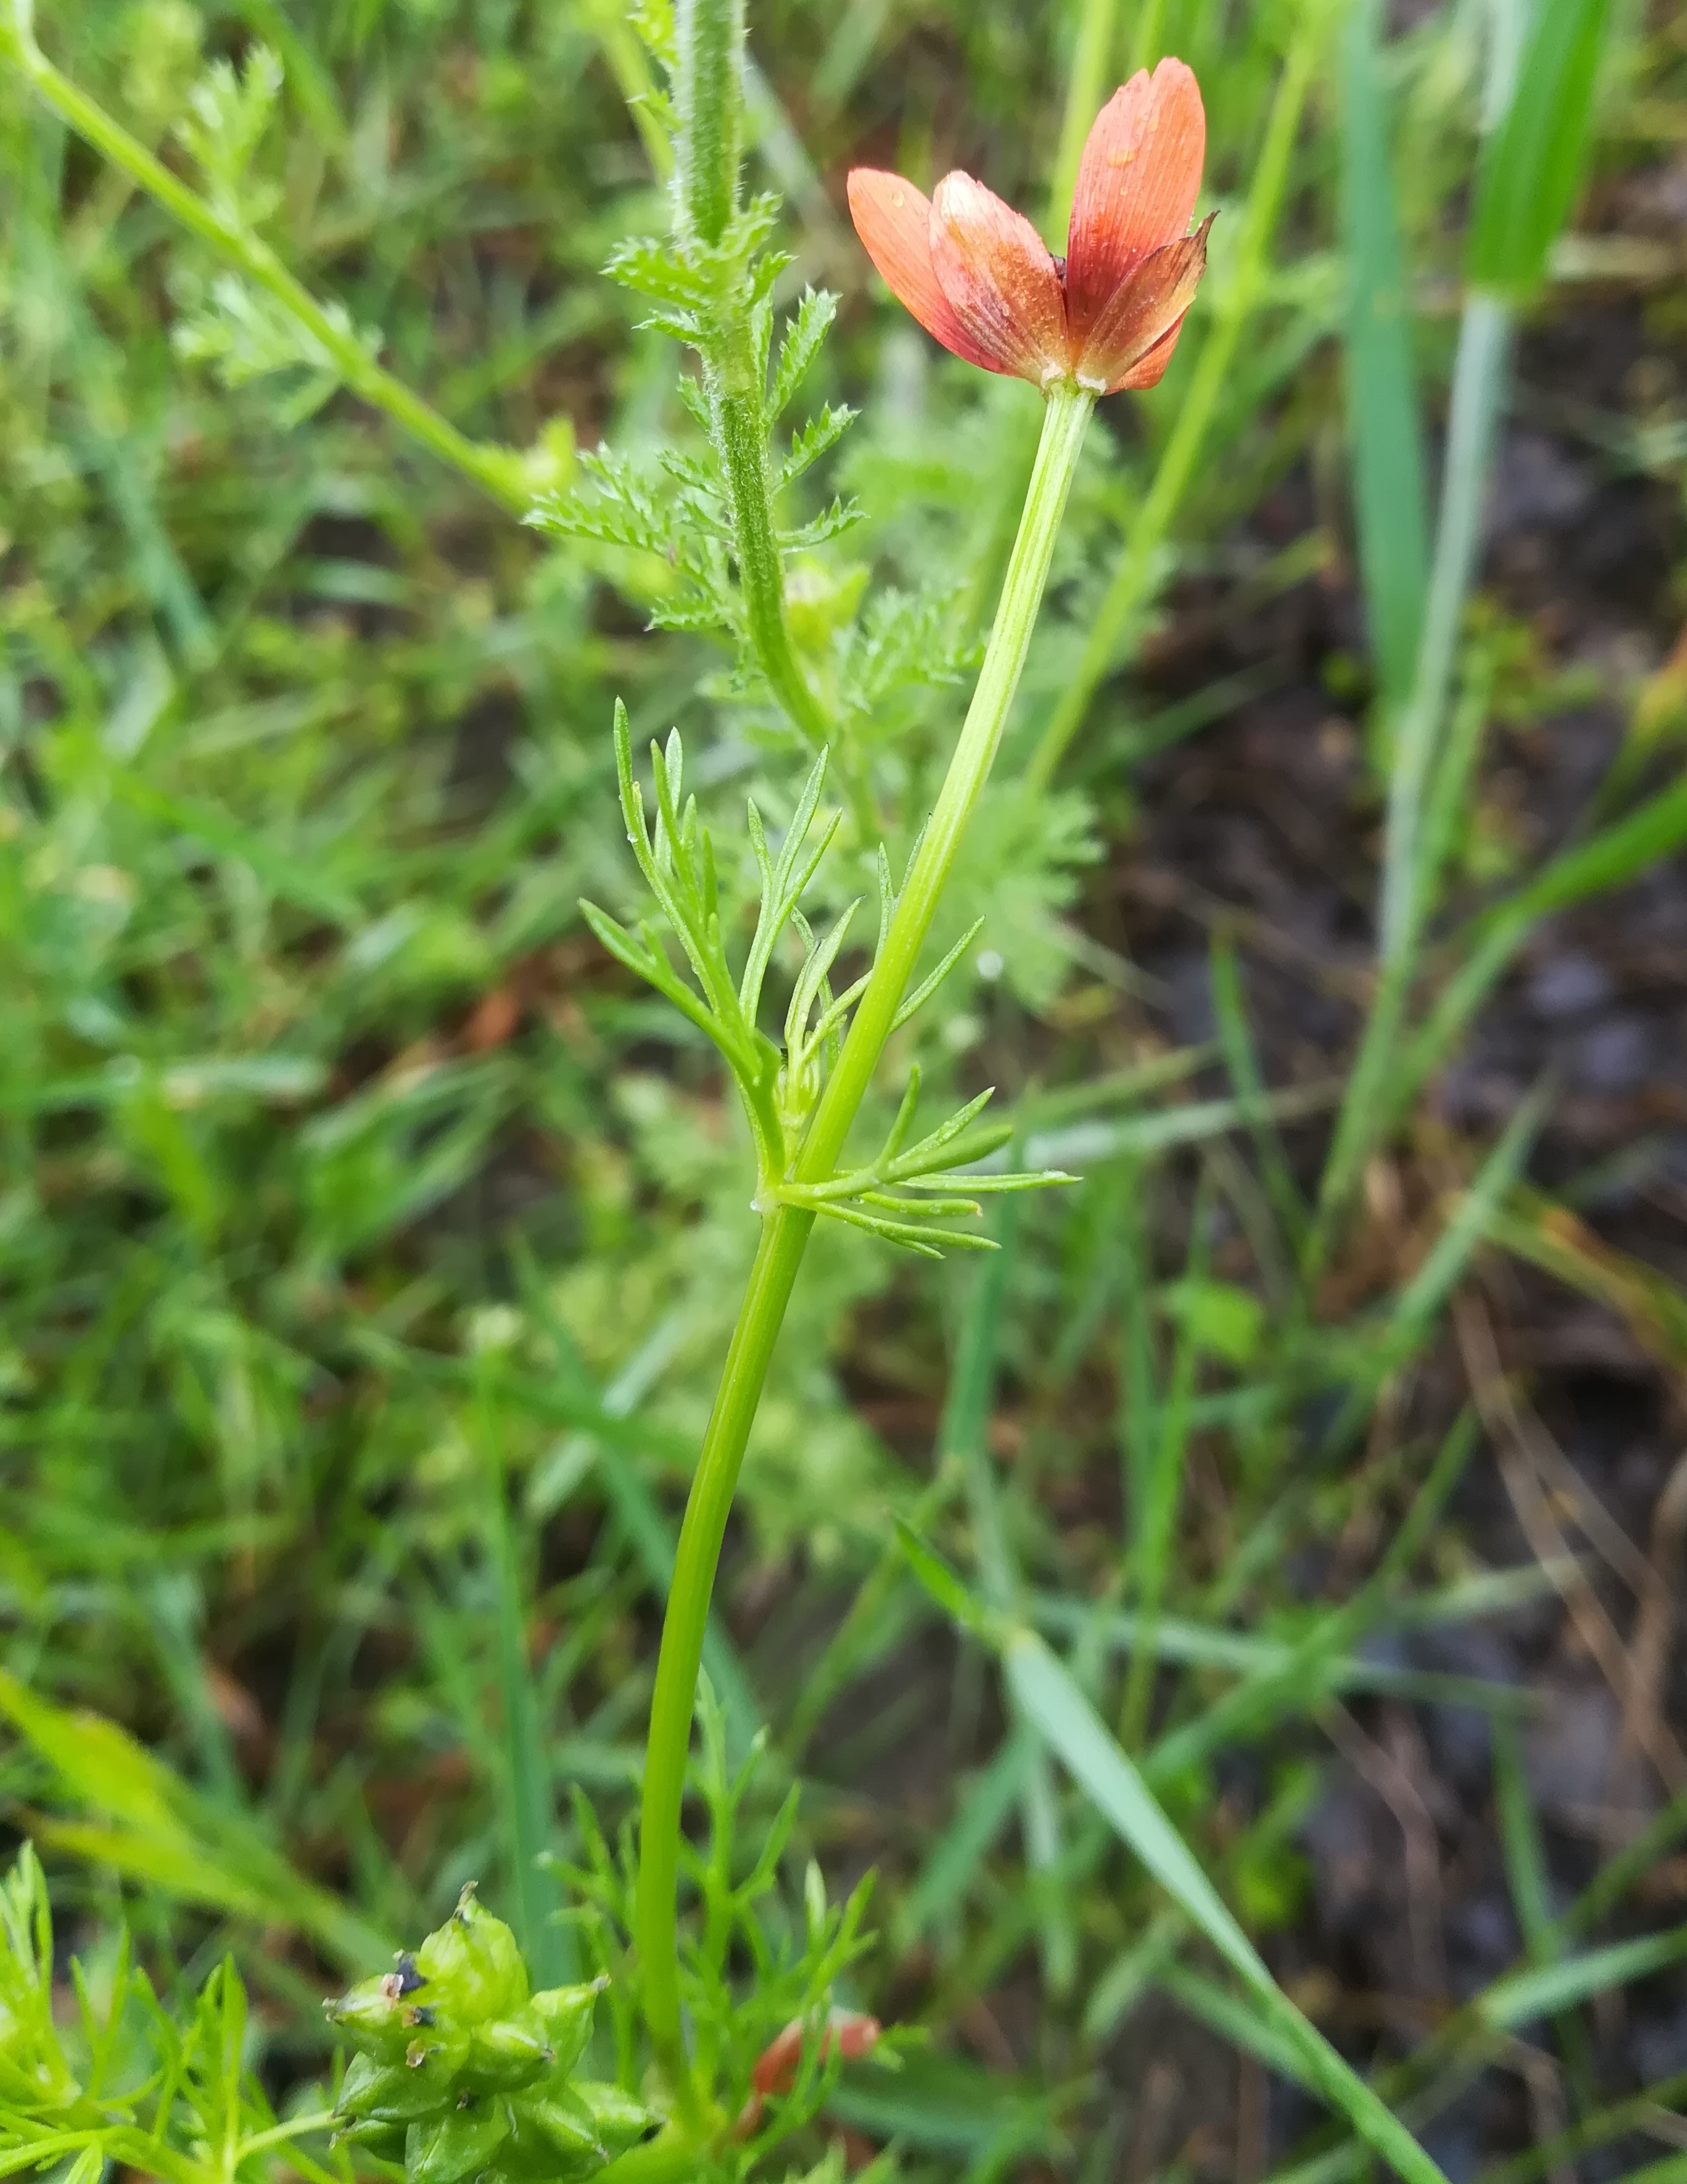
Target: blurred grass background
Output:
[(368, 1244)]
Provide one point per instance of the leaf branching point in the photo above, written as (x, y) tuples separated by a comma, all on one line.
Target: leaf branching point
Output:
[(906, 1191)]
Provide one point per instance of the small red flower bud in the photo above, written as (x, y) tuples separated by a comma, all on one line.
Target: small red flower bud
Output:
[(847, 2033), (979, 278)]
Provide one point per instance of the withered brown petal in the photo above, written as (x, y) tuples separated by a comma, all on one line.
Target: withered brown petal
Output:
[(894, 220), (1137, 185), (1143, 310), (1149, 370), (1000, 281)]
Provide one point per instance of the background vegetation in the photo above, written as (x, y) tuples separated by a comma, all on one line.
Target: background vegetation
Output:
[(369, 1240)]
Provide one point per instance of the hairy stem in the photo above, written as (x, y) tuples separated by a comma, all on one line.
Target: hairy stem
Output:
[(709, 35), (741, 436), (785, 1232), (498, 472), (709, 86)]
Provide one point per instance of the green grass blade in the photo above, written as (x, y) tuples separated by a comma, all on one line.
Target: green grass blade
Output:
[(954, 1860), (1410, 847), (1076, 1733), (1520, 1841), (1384, 437), (1420, 1302), (1155, 1525), (155, 1827), (1532, 164), (1080, 1146), (1141, 1400), (962, 1436), (1134, 1969), (1255, 1704), (524, 1787), (1480, 376), (1527, 1875), (1610, 859), (1250, 1653), (1629, 1865), (1670, 2169), (1222, 2013), (1616, 2122), (1242, 1061), (1524, 1996)]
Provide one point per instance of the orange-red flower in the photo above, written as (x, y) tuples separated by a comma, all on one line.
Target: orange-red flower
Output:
[(846, 2032), (979, 278)]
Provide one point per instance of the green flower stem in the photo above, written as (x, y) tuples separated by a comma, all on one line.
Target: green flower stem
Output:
[(499, 471), (1065, 422), (785, 1232)]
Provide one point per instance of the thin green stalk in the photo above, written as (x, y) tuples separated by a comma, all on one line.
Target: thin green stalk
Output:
[(785, 1232), (1483, 949), (1479, 382), (1146, 40), (1139, 1401), (1138, 569), (630, 66), (1525, 1860), (1478, 386), (856, 1640), (1154, 1518), (1097, 28), (1064, 424), (1390, 502), (525, 1789), (962, 1436), (499, 471), (1554, 2155), (1479, 374)]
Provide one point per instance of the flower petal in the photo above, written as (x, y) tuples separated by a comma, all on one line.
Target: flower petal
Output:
[(1149, 370), (1143, 311), (1000, 281), (894, 220), (1137, 185)]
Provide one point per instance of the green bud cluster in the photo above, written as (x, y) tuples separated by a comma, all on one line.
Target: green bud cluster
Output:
[(462, 2074)]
